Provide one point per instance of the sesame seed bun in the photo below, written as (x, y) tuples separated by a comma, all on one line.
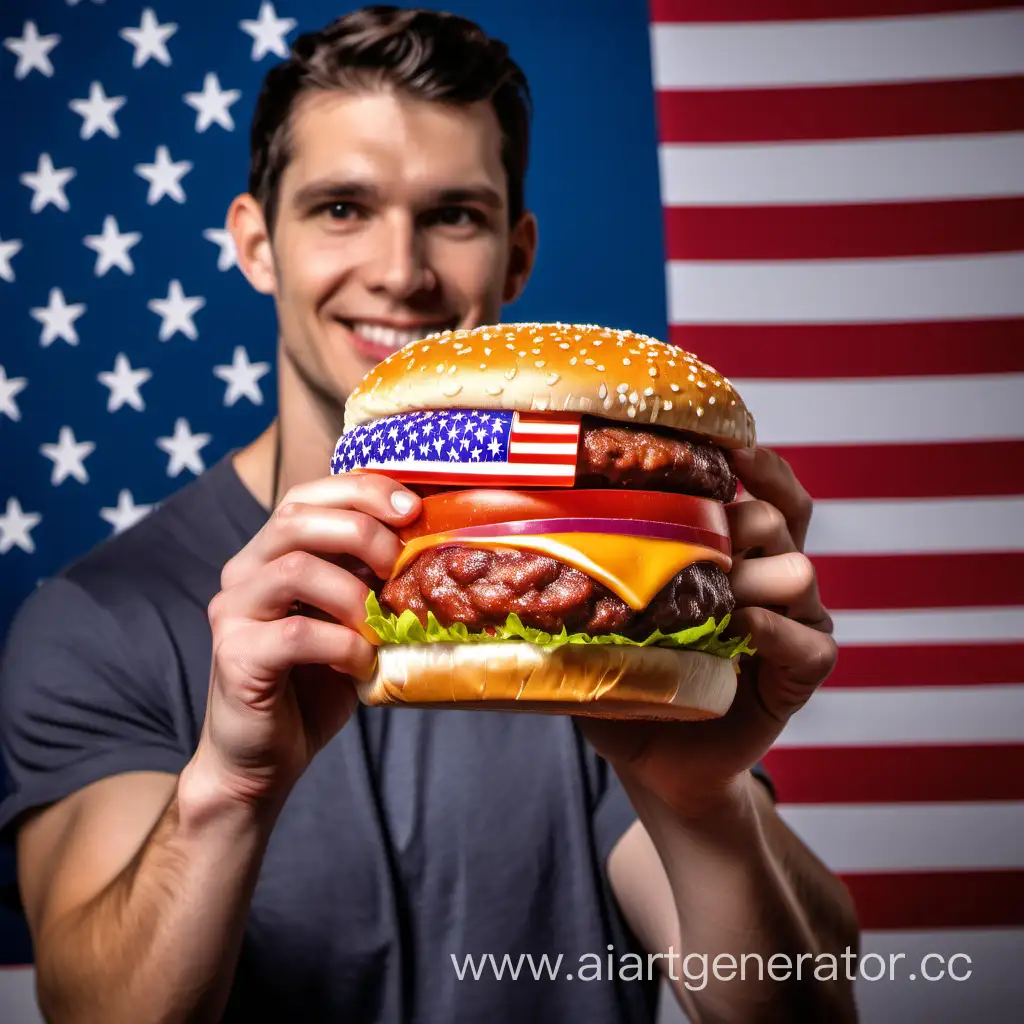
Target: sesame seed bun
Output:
[(530, 367)]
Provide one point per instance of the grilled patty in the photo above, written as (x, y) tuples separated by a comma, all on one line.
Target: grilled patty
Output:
[(480, 587)]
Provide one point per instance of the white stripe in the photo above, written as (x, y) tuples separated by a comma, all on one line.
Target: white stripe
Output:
[(996, 982), (868, 170), (894, 716), (938, 837), (929, 626), (886, 411), (916, 527), (542, 448), (717, 56), (488, 468), (846, 291), (519, 427)]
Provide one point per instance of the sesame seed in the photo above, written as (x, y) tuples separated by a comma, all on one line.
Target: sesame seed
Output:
[(535, 351), (483, 366), (486, 336), (589, 362), (487, 351), (691, 377), (674, 386), (451, 390), (440, 367), (423, 348), (595, 342), (622, 389), (711, 400), (701, 384), (452, 369), (539, 364), (666, 405), (648, 392), (653, 371), (608, 403), (622, 399), (510, 373), (700, 411), (573, 361), (625, 361), (600, 367), (494, 389), (552, 379), (602, 391), (457, 344), (633, 398), (564, 344), (631, 411), (521, 353), (510, 347)]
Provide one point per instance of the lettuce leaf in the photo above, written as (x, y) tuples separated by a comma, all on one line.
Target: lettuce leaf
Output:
[(407, 629)]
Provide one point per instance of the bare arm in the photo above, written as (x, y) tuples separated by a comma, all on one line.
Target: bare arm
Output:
[(137, 888), (742, 883), (137, 934)]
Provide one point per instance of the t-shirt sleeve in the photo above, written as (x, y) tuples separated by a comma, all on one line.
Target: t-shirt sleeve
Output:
[(77, 703)]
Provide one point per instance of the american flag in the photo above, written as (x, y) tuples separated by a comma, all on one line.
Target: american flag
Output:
[(843, 190), (466, 447)]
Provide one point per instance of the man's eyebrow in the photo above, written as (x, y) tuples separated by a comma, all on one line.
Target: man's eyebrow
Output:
[(315, 192)]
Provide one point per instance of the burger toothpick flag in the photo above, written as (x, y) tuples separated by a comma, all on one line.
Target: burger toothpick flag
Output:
[(573, 551)]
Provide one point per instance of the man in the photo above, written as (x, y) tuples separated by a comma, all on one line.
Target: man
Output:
[(209, 826)]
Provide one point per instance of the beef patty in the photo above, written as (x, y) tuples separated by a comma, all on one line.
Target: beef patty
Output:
[(479, 587)]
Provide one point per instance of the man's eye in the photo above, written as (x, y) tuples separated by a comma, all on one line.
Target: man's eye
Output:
[(457, 216), (341, 210)]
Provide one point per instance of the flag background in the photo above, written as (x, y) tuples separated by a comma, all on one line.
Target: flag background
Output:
[(825, 200)]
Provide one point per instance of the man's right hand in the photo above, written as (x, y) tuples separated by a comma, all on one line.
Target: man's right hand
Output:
[(281, 674)]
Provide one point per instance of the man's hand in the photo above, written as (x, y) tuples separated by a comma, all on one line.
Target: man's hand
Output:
[(289, 635), (692, 766)]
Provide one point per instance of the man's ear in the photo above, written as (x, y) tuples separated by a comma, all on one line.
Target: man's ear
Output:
[(248, 228), (522, 254)]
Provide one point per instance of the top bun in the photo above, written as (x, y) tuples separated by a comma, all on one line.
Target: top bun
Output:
[(617, 375)]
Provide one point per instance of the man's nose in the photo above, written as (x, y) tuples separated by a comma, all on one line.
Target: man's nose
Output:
[(398, 265)]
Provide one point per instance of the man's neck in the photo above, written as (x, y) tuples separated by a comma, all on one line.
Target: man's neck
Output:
[(300, 441)]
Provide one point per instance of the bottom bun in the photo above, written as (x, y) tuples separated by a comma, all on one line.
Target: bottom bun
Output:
[(602, 680)]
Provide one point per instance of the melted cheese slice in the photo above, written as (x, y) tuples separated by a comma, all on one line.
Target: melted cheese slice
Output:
[(634, 568)]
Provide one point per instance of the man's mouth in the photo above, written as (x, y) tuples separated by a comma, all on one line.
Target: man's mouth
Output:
[(377, 340)]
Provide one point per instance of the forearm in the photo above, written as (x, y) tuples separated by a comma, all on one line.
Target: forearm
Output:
[(160, 943), (744, 884)]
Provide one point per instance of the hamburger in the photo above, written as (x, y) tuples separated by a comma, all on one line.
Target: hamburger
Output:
[(572, 552)]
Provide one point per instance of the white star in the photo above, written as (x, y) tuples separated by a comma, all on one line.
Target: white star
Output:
[(68, 456), (228, 255), (149, 39), (164, 176), (58, 319), (112, 247), (183, 448), (268, 32), (32, 50), (47, 184), (242, 378), (176, 312), (8, 250), (15, 526), (98, 112), (126, 514), (9, 387), (124, 384), (211, 105)]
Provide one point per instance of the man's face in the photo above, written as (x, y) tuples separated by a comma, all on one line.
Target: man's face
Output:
[(392, 223)]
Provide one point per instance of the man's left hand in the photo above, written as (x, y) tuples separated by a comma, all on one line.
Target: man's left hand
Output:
[(693, 766)]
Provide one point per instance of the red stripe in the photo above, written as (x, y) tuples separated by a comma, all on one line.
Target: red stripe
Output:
[(798, 10), (921, 581), (884, 775), (856, 350), (929, 665), (465, 479), (953, 107), (521, 458), (850, 231), (967, 469), (932, 899), (534, 438)]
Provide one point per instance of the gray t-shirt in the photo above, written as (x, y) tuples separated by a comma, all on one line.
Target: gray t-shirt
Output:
[(416, 836)]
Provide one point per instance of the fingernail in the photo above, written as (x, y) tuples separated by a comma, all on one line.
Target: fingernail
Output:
[(402, 502)]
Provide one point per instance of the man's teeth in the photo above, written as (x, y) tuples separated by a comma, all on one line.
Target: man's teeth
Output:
[(389, 336)]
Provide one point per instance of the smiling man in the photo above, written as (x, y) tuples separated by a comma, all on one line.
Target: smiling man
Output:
[(210, 827)]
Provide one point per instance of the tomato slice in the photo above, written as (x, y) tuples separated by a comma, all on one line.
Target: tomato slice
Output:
[(483, 506)]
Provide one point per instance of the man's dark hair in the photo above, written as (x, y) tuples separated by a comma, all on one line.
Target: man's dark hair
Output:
[(430, 55)]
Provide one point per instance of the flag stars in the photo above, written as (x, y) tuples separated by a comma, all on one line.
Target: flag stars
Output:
[(32, 51), (126, 514), (111, 247), (58, 319), (8, 250), (10, 388), (242, 378), (124, 384), (183, 449), (164, 176), (268, 32), (68, 457), (149, 40), (228, 255), (47, 184), (211, 105), (16, 526), (176, 312), (97, 112)]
